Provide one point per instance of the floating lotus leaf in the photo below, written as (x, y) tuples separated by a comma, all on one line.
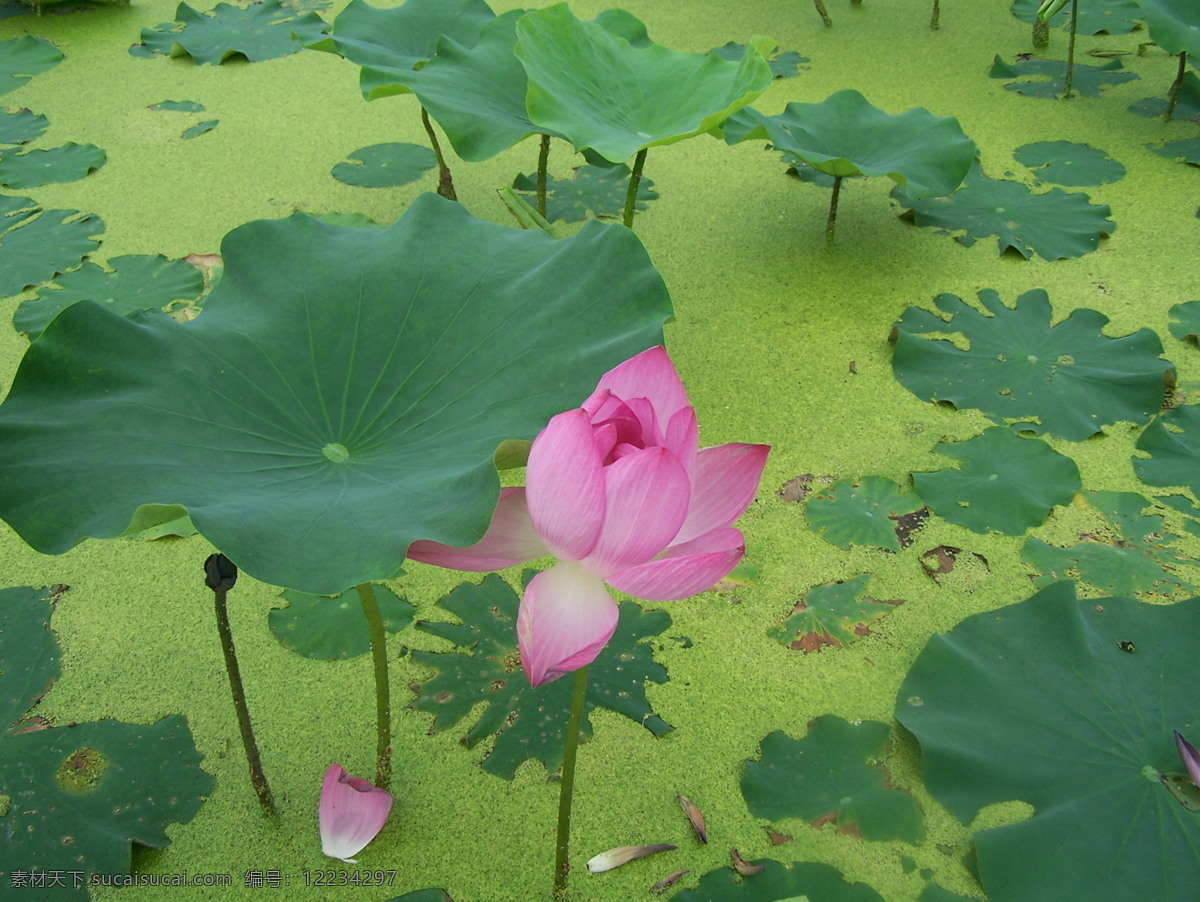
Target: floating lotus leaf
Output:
[(333, 629), (836, 614), (783, 64), (1173, 443), (1187, 104), (1068, 163), (424, 895), (136, 283), (1067, 379), (601, 92), (177, 106), (33, 168), (1185, 320), (24, 57), (934, 893), (77, 796), (529, 722), (1048, 78), (389, 43), (21, 127), (385, 165), (593, 191), (1095, 16), (1174, 24), (776, 882), (314, 438), (1070, 707), (200, 128), (832, 775), (1138, 557), (1004, 483), (1053, 225), (1185, 149), (261, 31), (845, 135), (864, 513), (36, 245)]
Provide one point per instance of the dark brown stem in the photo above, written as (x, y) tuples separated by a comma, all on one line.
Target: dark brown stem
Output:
[(1071, 50), (1041, 33), (543, 160), (1173, 94), (831, 224), (936, 17), (445, 180), (824, 13)]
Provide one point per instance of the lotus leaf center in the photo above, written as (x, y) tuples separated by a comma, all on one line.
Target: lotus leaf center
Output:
[(335, 452), (1031, 359)]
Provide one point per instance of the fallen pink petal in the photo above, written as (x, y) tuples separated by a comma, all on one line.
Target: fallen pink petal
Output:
[(614, 858), (352, 811)]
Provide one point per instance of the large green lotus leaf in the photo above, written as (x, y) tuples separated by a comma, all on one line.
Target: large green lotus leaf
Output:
[(867, 512), (1095, 16), (33, 168), (1185, 320), (24, 57), (1174, 24), (835, 614), (845, 135), (598, 191), (1048, 78), (1068, 163), (385, 165), (1069, 706), (1004, 483), (1185, 149), (1135, 556), (776, 882), (76, 796), (314, 436), (36, 245), (601, 92), (389, 43), (832, 775), (261, 31), (1053, 225), (1173, 443), (137, 282), (21, 127), (1067, 379), (334, 629), (529, 722)]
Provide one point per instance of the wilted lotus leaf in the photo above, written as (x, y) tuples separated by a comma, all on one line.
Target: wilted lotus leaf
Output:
[(1067, 379), (385, 165), (1004, 483), (867, 512), (1053, 225), (835, 614), (1173, 443), (832, 775), (844, 135), (135, 283), (1174, 24), (791, 882), (1138, 556), (602, 92), (1185, 320), (79, 795), (529, 721), (1095, 16), (24, 57), (21, 127), (1048, 78), (36, 245), (1068, 163), (332, 629), (1071, 707), (373, 389), (261, 31), (594, 190)]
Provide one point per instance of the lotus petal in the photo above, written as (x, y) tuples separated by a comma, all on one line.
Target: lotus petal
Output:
[(614, 858), (351, 813), (566, 618), (509, 541)]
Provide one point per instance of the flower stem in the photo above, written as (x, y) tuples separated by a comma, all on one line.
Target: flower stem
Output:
[(1173, 94), (824, 13), (935, 18), (383, 704), (221, 574), (543, 159), (831, 223), (1071, 50), (635, 179), (1041, 33), (445, 180), (562, 866)]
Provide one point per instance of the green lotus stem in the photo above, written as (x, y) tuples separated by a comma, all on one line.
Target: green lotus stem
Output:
[(1041, 33), (445, 179), (1071, 51), (562, 866), (1173, 94), (824, 13), (220, 575), (831, 223), (543, 159), (635, 178), (383, 703), (935, 18)]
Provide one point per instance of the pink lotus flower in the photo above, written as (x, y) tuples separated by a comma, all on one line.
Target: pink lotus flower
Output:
[(351, 813), (1190, 758), (620, 492)]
